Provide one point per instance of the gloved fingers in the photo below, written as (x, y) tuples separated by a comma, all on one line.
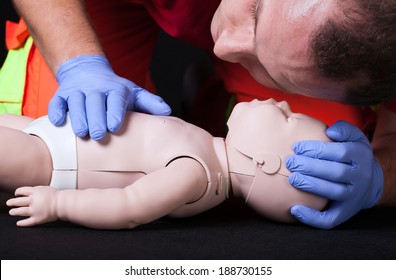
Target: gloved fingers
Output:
[(330, 151), (314, 218), (95, 106), (77, 113), (326, 170), (320, 187), (57, 109), (343, 131), (147, 102), (116, 108), (379, 182)]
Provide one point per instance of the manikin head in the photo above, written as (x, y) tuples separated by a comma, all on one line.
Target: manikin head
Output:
[(260, 138)]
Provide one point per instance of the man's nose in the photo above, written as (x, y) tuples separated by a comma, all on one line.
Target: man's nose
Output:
[(233, 46)]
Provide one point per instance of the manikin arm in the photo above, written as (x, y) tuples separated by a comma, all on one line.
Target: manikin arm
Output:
[(149, 198)]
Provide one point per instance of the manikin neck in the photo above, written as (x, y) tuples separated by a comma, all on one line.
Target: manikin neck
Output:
[(238, 181), (241, 170), (224, 177)]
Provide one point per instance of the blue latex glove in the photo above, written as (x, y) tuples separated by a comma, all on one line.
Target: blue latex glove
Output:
[(344, 171), (97, 98)]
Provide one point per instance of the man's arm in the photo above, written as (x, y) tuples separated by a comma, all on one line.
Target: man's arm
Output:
[(95, 96), (61, 29), (384, 145)]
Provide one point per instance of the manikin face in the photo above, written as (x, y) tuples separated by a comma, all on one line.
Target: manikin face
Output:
[(260, 138), (270, 38)]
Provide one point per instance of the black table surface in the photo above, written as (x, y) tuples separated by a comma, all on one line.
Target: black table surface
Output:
[(230, 231)]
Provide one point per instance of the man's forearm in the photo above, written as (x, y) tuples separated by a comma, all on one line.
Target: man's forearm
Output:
[(61, 29), (384, 144), (386, 159)]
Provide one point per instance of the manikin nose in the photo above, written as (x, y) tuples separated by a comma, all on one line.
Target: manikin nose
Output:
[(284, 106)]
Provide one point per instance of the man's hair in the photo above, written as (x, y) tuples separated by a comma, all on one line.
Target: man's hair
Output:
[(357, 46)]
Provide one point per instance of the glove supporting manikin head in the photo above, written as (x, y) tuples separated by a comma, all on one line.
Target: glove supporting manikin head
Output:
[(260, 138)]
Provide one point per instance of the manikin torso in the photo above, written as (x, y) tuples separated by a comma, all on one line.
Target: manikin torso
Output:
[(147, 143)]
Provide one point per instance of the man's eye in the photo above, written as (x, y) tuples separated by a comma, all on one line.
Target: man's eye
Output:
[(253, 10)]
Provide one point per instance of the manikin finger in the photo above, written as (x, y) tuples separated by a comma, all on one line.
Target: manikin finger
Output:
[(21, 211), (19, 201), (26, 222), (23, 191)]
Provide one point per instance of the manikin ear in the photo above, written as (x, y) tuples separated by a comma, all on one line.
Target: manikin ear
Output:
[(242, 163)]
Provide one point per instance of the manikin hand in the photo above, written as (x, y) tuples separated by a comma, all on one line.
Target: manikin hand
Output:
[(38, 204), (97, 98), (344, 171)]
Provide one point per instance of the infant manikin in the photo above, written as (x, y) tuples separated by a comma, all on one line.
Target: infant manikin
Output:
[(157, 166)]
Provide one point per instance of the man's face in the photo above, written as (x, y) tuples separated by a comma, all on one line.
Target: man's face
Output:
[(270, 38)]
